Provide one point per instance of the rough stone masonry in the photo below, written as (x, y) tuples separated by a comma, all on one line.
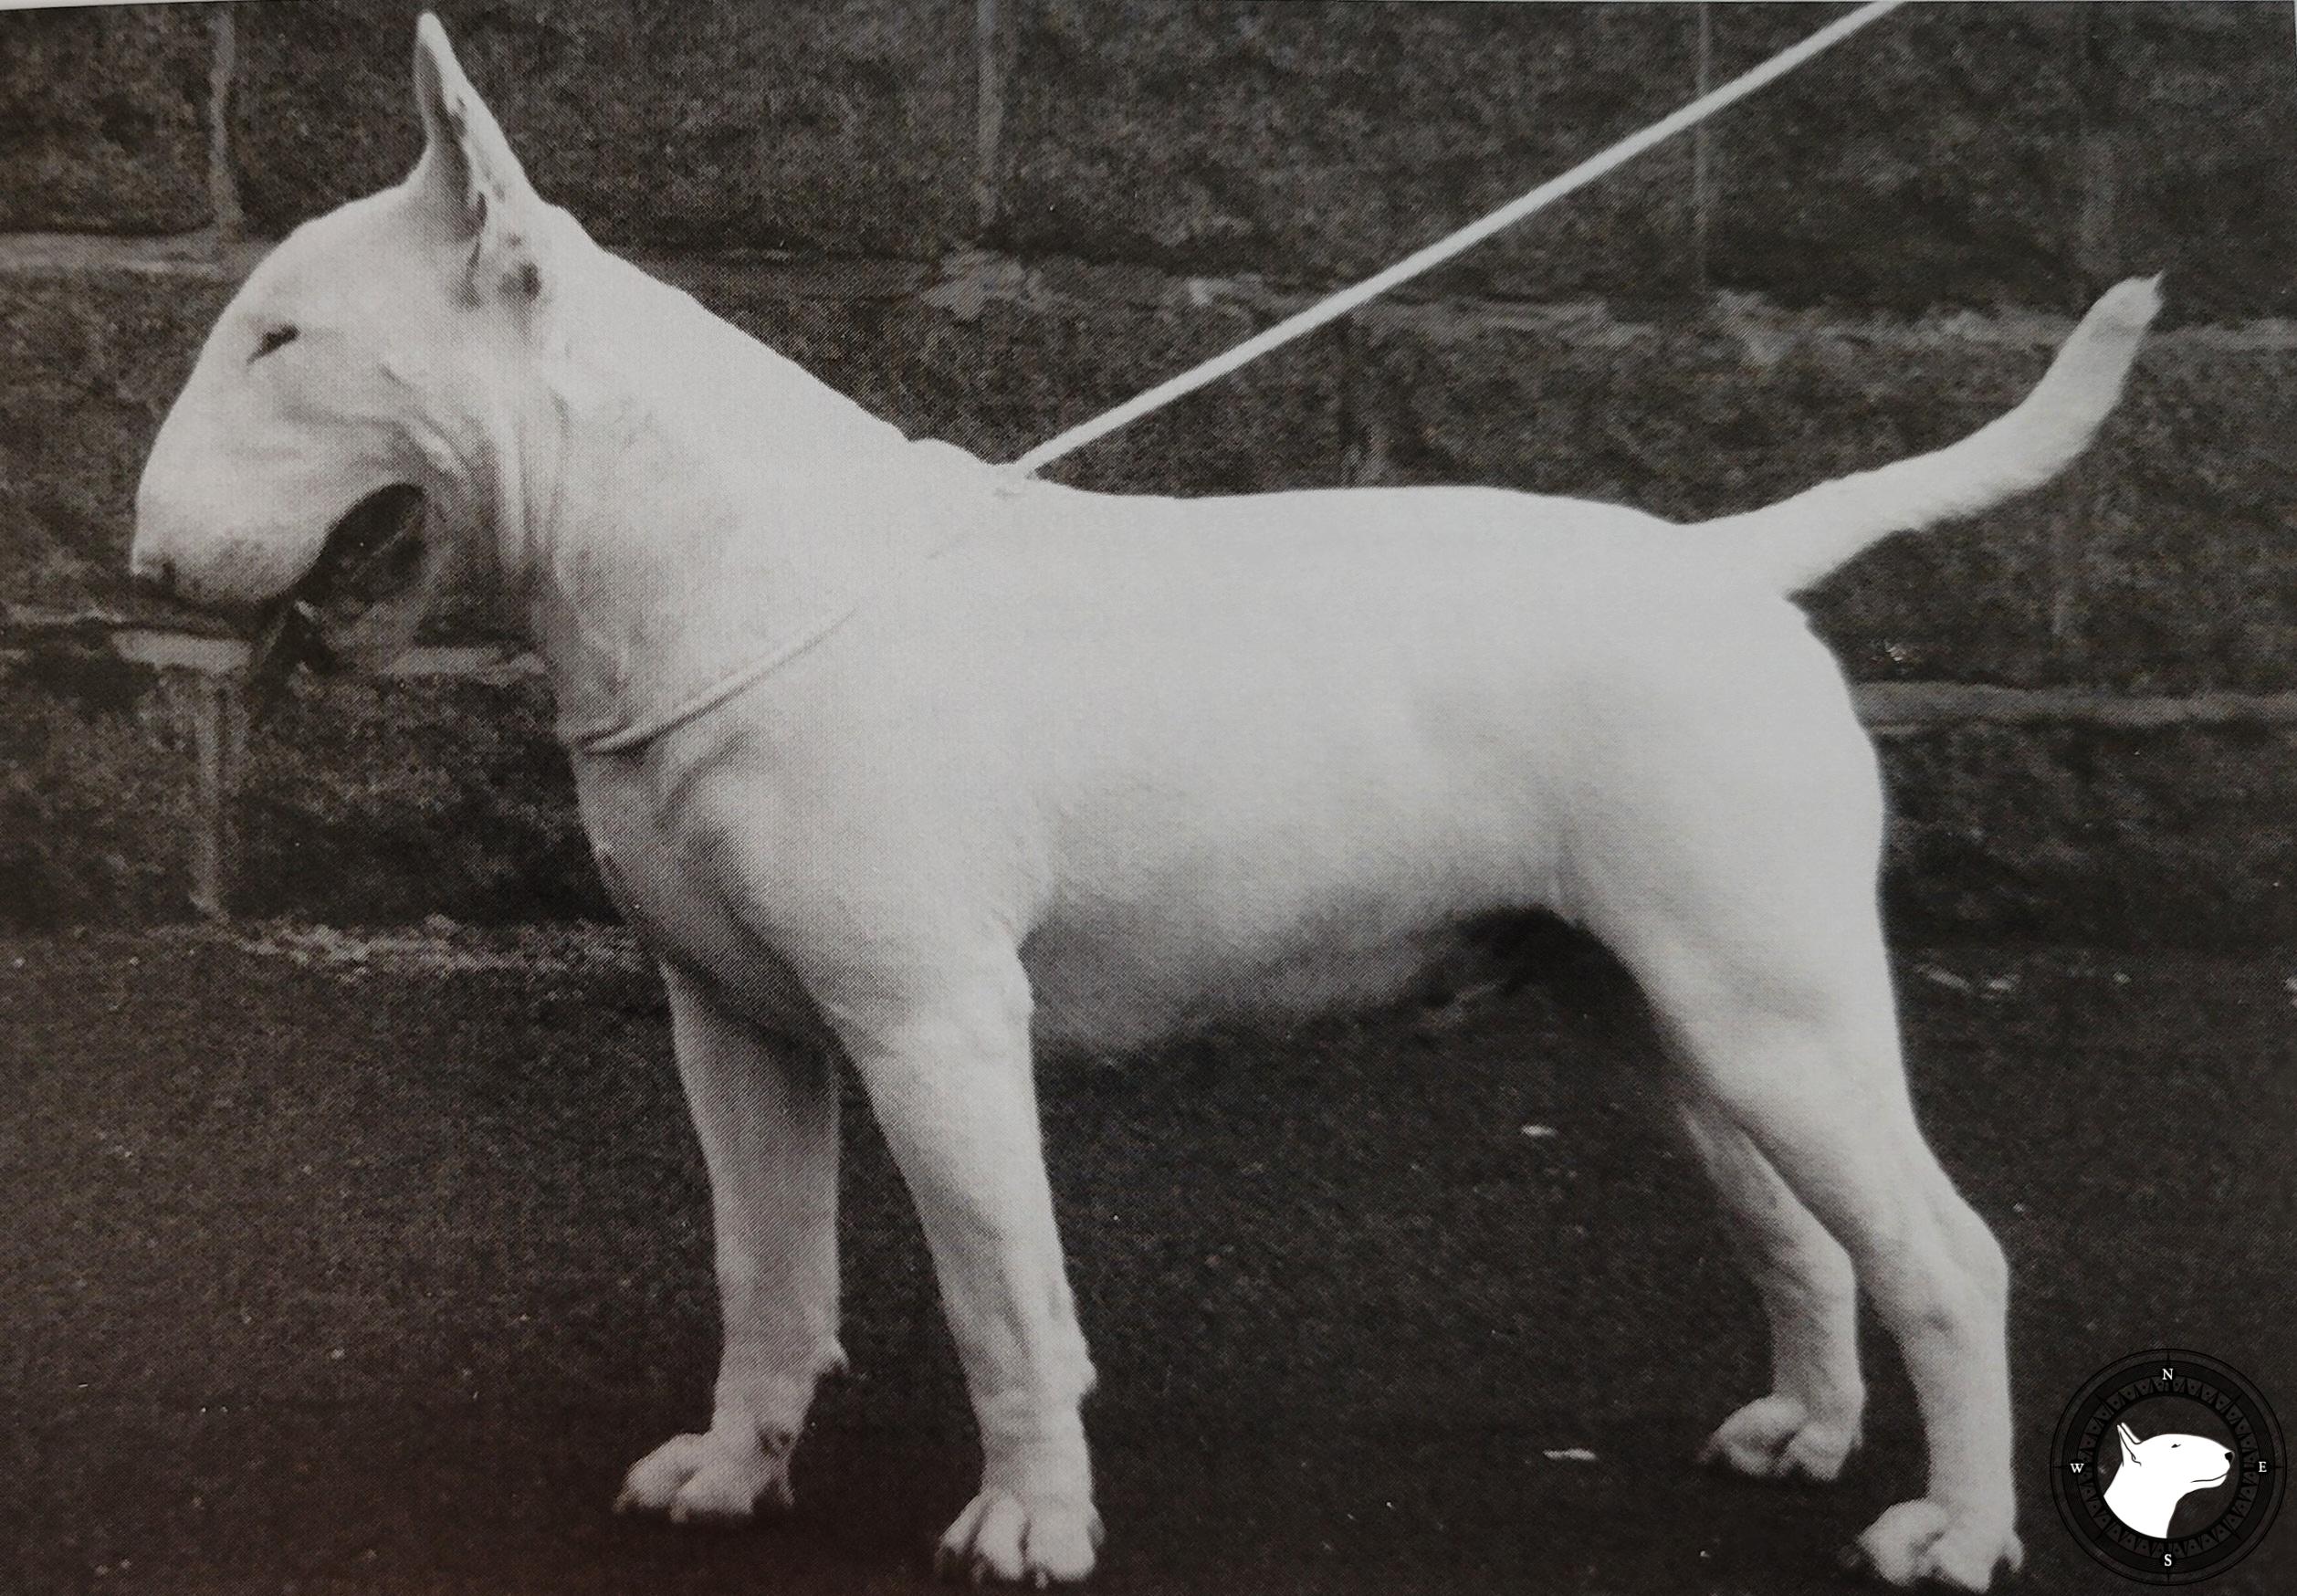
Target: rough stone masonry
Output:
[(988, 219)]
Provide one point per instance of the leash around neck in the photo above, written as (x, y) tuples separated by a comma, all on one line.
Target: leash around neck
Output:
[(756, 668)]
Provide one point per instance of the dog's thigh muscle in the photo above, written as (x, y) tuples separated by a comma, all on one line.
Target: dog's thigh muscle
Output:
[(766, 1114)]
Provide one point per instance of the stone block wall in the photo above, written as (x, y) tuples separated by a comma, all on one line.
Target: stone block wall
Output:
[(989, 219)]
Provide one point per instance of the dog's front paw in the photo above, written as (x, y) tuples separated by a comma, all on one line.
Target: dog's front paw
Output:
[(1924, 1543), (1774, 1438), (1003, 1536), (706, 1479)]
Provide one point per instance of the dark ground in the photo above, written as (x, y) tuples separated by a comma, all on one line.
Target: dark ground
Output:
[(371, 1271)]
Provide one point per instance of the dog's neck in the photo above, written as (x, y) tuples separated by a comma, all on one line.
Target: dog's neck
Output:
[(678, 502), (2129, 1498)]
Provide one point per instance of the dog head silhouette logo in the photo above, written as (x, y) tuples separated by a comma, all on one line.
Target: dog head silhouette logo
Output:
[(2156, 1474), (2167, 1467)]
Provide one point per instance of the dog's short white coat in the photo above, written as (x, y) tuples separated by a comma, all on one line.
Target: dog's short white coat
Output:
[(893, 758)]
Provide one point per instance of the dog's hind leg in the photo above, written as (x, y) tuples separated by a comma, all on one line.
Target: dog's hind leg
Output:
[(1809, 1423), (1793, 1042), (1731, 866), (767, 1118), (948, 1072), (1814, 1082)]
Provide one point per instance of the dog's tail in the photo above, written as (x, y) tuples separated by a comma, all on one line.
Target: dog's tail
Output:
[(1797, 540)]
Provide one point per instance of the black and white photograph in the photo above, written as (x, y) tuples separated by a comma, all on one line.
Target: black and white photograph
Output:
[(1179, 797)]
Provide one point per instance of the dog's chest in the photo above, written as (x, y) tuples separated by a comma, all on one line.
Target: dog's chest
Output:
[(686, 920)]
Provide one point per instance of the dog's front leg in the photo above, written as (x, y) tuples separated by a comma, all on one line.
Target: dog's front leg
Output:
[(767, 1118), (949, 1077)]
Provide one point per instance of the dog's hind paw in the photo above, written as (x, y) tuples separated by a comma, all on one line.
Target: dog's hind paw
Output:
[(1774, 1438), (1923, 1543), (1001, 1537), (706, 1479)]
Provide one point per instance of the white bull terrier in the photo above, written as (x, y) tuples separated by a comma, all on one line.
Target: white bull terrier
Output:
[(2156, 1474), (890, 755)]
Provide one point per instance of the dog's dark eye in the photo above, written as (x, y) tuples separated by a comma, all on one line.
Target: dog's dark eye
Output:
[(278, 338)]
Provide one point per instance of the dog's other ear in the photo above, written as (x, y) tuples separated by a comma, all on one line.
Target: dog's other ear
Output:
[(469, 177), (2130, 1442)]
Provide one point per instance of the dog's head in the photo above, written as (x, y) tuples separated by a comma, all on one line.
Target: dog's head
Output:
[(2175, 1464), (335, 458)]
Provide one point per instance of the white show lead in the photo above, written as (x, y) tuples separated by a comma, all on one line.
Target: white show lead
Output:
[(1443, 249)]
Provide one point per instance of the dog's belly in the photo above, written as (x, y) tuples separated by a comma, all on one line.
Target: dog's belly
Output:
[(1302, 920), (1101, 993)]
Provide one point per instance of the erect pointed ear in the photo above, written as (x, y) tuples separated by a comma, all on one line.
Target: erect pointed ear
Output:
[(2130, 1442), (468, 179)]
